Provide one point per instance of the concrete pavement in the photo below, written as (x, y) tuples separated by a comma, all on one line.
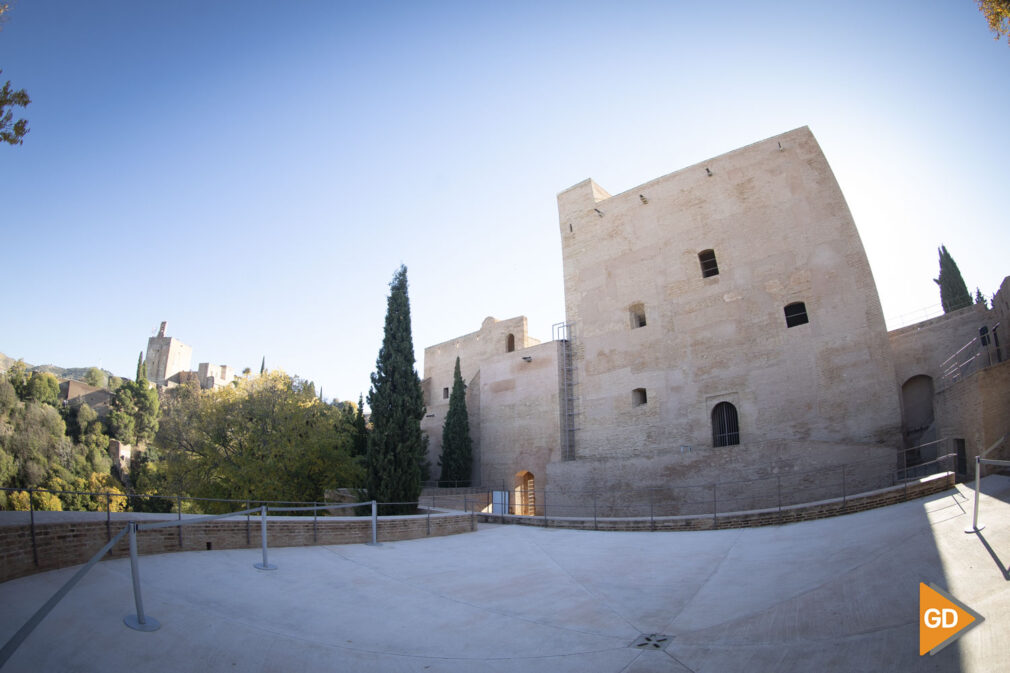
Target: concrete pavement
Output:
[(836, 594)]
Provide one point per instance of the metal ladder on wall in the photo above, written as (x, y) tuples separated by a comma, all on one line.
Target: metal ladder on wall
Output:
[(564, 333)]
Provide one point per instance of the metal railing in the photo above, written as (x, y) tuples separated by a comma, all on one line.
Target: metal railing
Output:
[(775, 491), (981, 460), (980, 352), (140, 621)]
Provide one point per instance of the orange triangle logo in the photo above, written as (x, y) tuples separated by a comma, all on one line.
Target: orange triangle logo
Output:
[(942, 619)]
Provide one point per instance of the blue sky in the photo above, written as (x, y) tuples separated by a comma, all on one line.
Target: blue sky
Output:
[(255, 172)]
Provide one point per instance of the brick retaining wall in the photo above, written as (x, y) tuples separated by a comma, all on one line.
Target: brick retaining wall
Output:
[(761, 517), (63, 544)]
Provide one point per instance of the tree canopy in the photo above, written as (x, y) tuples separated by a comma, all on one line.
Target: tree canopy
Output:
[(135, 410), (953, 292), (11, 132), (396, 450), (268, 438), (997, 15)]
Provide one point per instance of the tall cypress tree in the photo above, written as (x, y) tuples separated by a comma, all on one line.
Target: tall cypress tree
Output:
[(360, 444), (141, 368), (953, 292), (395, 446), (457, 447)]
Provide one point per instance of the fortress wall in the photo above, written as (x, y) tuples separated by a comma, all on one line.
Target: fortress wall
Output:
[(772, 516), (60, 545), (519, 414), (977, 409), (781, 232), (476, 351), (921, 349), (749, 476)]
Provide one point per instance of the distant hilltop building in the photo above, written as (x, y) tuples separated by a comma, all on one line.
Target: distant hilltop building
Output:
[(722, 325), (166, 357), (168, 364), (73, 392)]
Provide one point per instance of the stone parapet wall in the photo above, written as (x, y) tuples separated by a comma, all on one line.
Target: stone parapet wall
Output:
[(59, 545), (749, 519)]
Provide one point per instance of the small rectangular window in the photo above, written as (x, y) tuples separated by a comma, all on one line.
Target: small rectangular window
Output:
[(639, 397), (796, 314), (637, 316), (445, 393), (709, 267)]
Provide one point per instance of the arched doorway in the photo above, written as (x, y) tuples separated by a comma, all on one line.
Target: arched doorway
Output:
[(525, 494), (917, 411)]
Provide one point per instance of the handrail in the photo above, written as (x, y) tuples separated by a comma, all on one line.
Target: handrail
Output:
[(40, 614), (979, 461), (141, 621)]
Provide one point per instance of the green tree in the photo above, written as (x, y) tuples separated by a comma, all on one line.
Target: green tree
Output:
[(43, 388), (96, 377), (37, 440), (135, 411), (141, 368), (360, 445), (395, 445), (8, 398), (17, 375), (269, 438), (953, 292), (457, 447), (997, 15), (979, 297), (12, 132)]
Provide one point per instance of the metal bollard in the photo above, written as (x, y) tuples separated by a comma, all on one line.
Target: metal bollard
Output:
[(178, 500), (375, 517), (265, 565), (978, 477), (35, 548), (139, 621)]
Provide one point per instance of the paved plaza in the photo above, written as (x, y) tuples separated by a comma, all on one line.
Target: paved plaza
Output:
[(837, 594)]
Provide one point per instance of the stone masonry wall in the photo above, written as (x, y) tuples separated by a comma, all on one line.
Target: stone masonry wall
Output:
[(747, 519), (60, 545)]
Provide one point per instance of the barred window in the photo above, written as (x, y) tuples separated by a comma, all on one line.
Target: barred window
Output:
[(725, 426), (796, 314), (709, 267)]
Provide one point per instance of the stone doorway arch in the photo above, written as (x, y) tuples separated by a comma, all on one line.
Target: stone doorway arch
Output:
[(525, 494)]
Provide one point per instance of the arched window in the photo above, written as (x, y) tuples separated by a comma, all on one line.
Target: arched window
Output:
[(510, 343), (709, 267), (725, 427), (796, 314)]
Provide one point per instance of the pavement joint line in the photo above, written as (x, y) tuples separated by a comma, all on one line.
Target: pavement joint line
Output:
[(667, 652), (631, 663), (586, 589), (895, 547), (482, 608), (738, 533)]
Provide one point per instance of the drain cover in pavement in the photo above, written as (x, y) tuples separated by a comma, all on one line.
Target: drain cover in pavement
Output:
[(652, 641)]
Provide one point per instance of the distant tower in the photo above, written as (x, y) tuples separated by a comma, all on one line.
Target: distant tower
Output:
[(166, 357)]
